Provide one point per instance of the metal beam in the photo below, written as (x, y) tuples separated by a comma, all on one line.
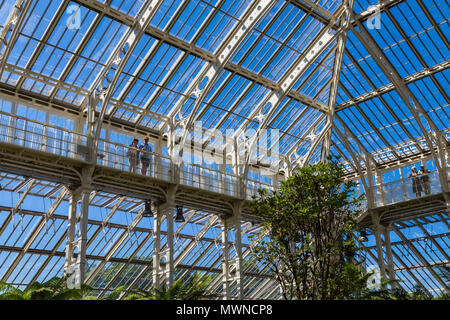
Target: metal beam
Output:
[(13, 24), (272, 100), (35, 233), (119, 58), (339, 56), (207, 77), (421, 258), (409, 99), (115, 247), (378, 92)]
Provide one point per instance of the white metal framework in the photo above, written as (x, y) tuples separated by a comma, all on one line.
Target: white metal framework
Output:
[(364, 80)]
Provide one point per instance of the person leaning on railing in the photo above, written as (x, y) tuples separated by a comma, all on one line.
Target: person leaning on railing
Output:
[(146, 159), (416, 183), (425, 179), (133, 155)]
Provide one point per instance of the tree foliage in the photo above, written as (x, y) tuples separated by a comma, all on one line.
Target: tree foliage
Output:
[(311, 224), (192, 287), (53, 289)]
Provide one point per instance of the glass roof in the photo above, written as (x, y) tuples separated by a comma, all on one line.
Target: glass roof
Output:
[(62, 46), (63, 52)]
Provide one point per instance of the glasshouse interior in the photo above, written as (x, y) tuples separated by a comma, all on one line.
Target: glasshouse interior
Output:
[(144, 145)]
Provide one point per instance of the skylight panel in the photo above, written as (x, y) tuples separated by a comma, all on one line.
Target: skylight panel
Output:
[(395, 102), (269, 16), (286, 22), (104, 39), (350, 80), (188, 70), (324, 60), (320, 79), (280, 64), (130, 7), (430, 100), (235, 8), (252, 99), (140, 93), (216, 31), (260, 54), (290, 111), (324, 95), (360, 128), (165, 13), (5, 9), (303, 124), (96, 53), (191, 19), (210, 117)]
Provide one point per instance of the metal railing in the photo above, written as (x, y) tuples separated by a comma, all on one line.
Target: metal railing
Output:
[(48, 138), (59, 141), (253, 186), (407, 189), (23, 132)]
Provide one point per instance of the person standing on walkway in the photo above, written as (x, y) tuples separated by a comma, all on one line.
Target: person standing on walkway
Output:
[(133, 155), (425, 179), (146, 157), (416, 183)]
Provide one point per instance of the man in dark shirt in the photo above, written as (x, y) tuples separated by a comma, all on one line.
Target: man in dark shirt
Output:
[(425, 179)]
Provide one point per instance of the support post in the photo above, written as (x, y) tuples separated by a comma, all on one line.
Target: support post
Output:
[(164, 210), (156, 249), (379, 244), (390, 261), (83, 226), (70, 243), (169, 269), (225, 261), (237, 210)]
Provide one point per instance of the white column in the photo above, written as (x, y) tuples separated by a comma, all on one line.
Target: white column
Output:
[(83, 226), (156, 249), (72, 220), (390, 261), (238, 246), (169, 270), (379, 245), (225, 262)]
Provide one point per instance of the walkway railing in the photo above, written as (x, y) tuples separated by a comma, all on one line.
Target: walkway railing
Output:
[(23, 132), (59, 141), (407, 189)]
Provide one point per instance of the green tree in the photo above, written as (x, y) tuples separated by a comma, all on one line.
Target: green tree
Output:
[(310, 222), (192, 287), (53, 289)]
